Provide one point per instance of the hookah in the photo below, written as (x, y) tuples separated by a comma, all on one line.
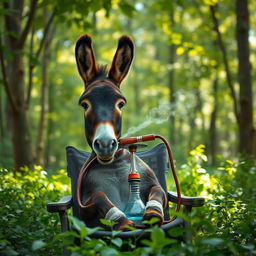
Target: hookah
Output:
[(150, 137), (134, 210)]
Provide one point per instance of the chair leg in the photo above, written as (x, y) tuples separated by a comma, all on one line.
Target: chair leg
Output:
[(64, 221), (188, 235), (64, 227)]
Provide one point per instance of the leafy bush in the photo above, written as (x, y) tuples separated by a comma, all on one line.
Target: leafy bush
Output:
[(24, 218), (226, 225)]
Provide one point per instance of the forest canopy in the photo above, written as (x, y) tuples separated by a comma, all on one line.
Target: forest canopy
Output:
[(191, 79)]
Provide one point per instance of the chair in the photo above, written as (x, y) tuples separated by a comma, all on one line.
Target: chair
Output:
[(156, 158)]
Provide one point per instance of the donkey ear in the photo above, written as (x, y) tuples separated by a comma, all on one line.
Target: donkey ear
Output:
[(122, 59), (85, 58)]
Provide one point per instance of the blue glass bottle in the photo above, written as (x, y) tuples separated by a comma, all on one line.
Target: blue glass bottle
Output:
[(135, 208)]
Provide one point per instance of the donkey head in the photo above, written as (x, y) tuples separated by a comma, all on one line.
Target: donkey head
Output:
[(102, 99)]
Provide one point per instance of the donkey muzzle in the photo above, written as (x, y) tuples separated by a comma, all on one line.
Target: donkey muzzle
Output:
[(105, 143)]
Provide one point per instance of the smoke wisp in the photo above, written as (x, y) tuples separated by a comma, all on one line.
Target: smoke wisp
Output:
[(156, 115)]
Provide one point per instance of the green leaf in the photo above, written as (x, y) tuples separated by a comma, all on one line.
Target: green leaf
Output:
[(8, 252), (151, 222), (38, 244), (130, 228), (109, 252), (157, 234), (126, 8), (181, 215), (96, 5), (212, 241), (176, 231), (117, 241), (249, 247), (108, 222), (78, 224), (92, 230), (75, 254)]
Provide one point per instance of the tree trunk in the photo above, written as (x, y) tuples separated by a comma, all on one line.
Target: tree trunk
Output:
[(225, 61), (172, 49), (1, 116), (21, 140), (172, 97), (212, 128), (51, 109), (44, 99), (50, 128), (22, 150), (192, 118), (192, 126), (246, 131)]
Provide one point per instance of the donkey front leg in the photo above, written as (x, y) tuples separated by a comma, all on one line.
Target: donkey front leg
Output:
[(98, 204), (157, 201)]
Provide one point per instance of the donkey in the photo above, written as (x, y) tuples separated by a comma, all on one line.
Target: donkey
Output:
[(105, 189)]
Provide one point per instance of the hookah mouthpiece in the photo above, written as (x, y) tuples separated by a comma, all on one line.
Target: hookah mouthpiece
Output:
[(132, 140)]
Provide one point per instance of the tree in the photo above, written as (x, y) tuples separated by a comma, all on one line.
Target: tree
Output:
[(40, 145), (246, 130), (14, 80), (244, 109)]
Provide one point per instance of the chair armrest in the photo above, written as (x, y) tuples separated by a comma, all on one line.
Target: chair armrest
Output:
[(62, 205), (186, 200)]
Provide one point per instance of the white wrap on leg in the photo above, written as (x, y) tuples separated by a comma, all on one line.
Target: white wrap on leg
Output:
[(155, 205), (114, 214)]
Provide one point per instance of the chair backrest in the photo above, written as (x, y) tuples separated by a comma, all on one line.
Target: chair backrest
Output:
[(155, 157)]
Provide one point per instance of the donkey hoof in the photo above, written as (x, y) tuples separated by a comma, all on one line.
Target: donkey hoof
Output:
[(124, 224), (151, 213)]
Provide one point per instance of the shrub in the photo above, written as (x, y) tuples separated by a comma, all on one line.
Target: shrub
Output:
[(226, 225), (24, 218)]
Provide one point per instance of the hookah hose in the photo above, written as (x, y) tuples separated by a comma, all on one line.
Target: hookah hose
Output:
[(82, 174), (126, 141)]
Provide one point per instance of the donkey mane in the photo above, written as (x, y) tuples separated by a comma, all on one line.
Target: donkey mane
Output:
[(102, 72)]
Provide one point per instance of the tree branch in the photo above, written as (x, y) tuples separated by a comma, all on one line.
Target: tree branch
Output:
[(32, 65), (24, 34), (30, 69), (46, 31), (225, 60), (8, 20), (5, 82)]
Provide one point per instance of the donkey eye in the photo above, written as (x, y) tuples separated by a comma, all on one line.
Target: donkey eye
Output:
[(120, 104), (85, 105)]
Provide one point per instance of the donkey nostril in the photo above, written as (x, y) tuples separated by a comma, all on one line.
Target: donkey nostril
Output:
[(97, 144), (113, 144)]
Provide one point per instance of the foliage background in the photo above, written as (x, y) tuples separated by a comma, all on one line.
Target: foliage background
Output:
[(224, 226), (170, 88), (177, 87)]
